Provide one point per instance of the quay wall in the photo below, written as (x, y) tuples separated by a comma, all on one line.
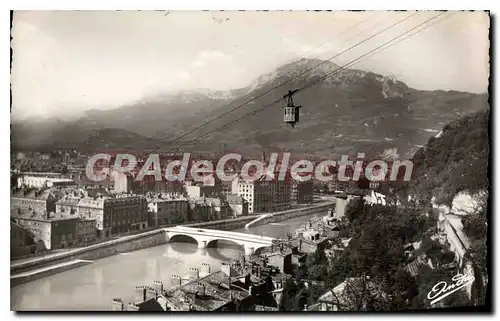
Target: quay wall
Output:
[(286, 215), (37, 275), (153, 238), (96, 251)]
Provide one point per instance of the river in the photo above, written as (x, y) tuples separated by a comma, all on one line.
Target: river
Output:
[(93, 286)]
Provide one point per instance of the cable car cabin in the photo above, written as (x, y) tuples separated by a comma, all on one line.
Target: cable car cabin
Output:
[(291, 112), (291, 115)]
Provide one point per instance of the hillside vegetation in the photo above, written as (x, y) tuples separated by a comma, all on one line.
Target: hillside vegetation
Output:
[(455, 161)]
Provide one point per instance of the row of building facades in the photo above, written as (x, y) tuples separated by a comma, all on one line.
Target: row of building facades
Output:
[(52, 211)]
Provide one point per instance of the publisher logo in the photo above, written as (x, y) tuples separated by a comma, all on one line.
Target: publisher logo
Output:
[(442, 289)]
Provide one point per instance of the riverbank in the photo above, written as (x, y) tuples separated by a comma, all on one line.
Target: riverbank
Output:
[(134, 242), (32, 275), (286, 215), (91, 287)]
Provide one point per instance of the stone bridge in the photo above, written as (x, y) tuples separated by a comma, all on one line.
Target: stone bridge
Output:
[(249, 242)]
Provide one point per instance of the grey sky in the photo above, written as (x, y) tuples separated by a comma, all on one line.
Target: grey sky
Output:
[(103, 59)]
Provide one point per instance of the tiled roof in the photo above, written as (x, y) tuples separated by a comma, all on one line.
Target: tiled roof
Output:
[(91, 202), (216, 295), (150, 305), (34, 194), (69, 201), (235, 199)]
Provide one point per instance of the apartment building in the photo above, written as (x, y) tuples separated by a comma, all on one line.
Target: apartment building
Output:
[(263, 195), (167, 209), (301, 192), (115, 215)]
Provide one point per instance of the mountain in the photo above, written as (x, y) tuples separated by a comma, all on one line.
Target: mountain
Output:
[(353, 110), (454, 161), (110, 139)]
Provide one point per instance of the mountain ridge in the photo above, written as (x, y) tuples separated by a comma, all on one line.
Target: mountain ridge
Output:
[(351, 110)]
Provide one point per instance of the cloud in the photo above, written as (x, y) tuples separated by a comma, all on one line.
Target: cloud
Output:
[(184, 75), (206, 57)]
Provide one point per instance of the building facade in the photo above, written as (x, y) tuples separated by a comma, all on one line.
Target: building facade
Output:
[(263, 195), (35, 200), (167, 210), (86, 231), (237, 204), (41, 181), (301, 192), (55, 231), (115, 215), (19, 236)]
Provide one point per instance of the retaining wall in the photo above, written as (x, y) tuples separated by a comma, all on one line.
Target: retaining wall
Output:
[(225, 225), (154, 238), (286, 215), (97, 251), (41, 274)]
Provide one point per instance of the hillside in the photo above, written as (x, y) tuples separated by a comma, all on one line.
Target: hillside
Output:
[(352, 111), (455, 161)]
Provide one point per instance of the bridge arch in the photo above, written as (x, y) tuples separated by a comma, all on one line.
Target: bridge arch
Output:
[(229, 244), (204, 237), (260, 250), (182, 238)]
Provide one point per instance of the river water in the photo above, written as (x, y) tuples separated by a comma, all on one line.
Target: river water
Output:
[(93, 286)]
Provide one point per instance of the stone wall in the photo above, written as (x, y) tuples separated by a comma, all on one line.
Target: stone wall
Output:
[(153, 238), (286, 215), (41, 274), (225, 225), (97, 251)]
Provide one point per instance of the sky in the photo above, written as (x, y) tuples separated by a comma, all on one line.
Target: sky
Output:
[(65, 62)]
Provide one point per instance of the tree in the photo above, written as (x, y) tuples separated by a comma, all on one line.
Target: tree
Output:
[(355, 209), (475, 225)]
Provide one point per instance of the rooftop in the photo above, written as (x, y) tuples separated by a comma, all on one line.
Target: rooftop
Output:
[(216, 293), (235, 199)]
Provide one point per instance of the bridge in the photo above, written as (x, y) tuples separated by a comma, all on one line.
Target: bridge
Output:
[(204, 237)]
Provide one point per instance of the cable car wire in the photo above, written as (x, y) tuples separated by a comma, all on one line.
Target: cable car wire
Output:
[(289, 80), (352, 62), (409, 35), (372, 52), (295, 60)]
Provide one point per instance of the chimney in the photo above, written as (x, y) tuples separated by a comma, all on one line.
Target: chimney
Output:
[(151, 294), (226, 268), (176, 280), (194, 274), (205, 268), (140, 294), (117, 305), (158, 286)]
